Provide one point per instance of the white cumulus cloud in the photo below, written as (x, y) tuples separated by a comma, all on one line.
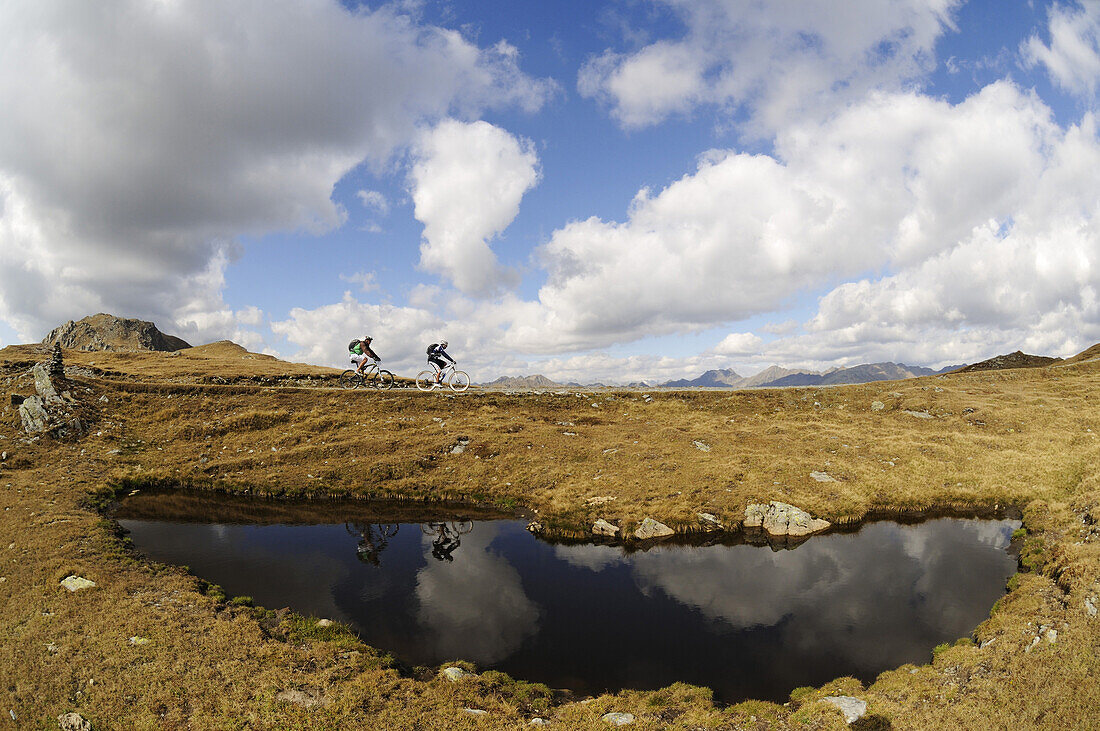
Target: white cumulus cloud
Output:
[(138, 139), (777, 59), (467, 183), (1072, 58)]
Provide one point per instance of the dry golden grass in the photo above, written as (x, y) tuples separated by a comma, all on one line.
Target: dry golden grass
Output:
[(1026, 438)]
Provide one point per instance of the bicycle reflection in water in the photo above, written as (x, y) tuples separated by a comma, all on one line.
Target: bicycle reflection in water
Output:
[(374, 537), (446, 537)]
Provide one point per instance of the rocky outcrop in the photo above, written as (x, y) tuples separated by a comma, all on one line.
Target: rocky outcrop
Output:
[(1019, 359), (107, 332), (781, 519)]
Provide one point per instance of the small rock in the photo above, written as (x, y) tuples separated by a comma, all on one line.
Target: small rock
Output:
[(701, 446), (878, 406), (76, 583), (852, 708), (987, 643), (103, 399), (534, 526), (325, 623), (455, 674), (602, 528), (618, 719), (1034, 641), (308, 698), (1051, 635), (569, 433), (599, 499), (538, 722), (70, 722), (52, 648), (135, 640), (919, 414), (709, 521), (822, 477), (475, 711), (1090, 606), (650, 528)]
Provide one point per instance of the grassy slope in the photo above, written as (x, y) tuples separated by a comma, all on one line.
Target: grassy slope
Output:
[(1027, 437)]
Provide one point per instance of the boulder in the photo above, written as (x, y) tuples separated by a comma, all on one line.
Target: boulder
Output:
[(878, 406), (43, 385), (852, 708), (650, 528), (701, 446), (34, 416), (822, 477), (781, 519), (602, 528)]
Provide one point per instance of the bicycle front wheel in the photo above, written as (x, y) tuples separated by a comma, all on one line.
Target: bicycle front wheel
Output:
[(350, 379), (384, 380), (459, 381), (425, 380)]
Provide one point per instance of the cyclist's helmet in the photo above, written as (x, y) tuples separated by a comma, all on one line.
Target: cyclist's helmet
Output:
[(367, 338), (443, 343)]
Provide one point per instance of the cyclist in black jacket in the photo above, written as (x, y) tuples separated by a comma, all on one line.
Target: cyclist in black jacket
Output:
[(436, 353)]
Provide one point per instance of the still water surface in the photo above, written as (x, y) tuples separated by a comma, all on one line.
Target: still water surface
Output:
[(747, 621)]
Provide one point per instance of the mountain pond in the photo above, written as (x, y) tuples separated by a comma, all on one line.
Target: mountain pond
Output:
[(435, 584)]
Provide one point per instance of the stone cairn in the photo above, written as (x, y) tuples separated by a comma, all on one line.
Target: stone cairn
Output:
[(55, 366)]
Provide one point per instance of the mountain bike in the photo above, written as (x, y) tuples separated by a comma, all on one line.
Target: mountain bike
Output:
[(446, 537), (455, 379), (371, 377)]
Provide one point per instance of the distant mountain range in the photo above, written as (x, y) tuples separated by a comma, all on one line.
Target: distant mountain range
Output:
[(535, 381), (771, 377), (776, 376)]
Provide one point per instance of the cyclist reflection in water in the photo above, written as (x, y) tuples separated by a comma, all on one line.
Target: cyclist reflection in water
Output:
[(372, 539), (446, 537)]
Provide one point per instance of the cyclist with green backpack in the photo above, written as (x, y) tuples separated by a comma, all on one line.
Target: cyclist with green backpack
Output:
[(361, 353)]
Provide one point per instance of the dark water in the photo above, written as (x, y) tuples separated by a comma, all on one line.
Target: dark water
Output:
[(744, 620)]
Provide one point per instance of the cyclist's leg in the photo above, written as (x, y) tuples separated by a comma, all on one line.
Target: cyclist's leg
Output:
[(358, 360), (438, 364)]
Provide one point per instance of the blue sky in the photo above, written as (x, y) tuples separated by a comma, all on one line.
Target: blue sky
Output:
[(615, 191)]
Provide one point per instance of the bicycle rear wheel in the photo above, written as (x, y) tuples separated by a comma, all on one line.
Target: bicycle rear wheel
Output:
[(384, 381), (425, 380), (459, 381), (350, 379)]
